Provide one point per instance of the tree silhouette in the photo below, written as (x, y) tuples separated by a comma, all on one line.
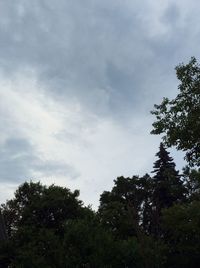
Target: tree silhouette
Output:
[(168, 187)]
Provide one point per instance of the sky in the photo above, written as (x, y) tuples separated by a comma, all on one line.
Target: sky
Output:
[(78, 80)]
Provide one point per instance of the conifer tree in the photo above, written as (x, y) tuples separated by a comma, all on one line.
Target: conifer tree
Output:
[(168, 187)]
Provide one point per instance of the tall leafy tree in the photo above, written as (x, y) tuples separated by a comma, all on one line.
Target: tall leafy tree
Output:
[(179, 119), (35, 220), (37, 205), (125, 210)]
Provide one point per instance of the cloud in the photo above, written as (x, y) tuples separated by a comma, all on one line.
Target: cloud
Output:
[(45, 140), (15, 160), (95, 52), (29, 124), (77, 82), (19, 161)]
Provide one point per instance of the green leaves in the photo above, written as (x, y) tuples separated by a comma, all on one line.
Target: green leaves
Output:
[(179, 119), (37, 205), (181, 224), (49, 227)]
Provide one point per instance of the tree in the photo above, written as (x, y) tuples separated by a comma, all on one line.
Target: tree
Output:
[(179, 119), (192, 183), (41, 206), (49, 227), (35, 220), (168, 188), (181, 223), (88, 244), (125, 210), (3, 234), (14, 209)]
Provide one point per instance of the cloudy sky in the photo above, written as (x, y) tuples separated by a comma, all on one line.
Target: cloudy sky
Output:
[(77, 81)]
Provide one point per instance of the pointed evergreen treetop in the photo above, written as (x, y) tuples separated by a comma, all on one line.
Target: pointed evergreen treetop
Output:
[(163, 164), (168, 187)]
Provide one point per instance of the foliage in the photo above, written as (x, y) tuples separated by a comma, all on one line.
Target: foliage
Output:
[(192, 183), (88, 244), (124, 210), (179, 119), (37, 205), (127, 212), (182, 227), (49, 227), (168, 188), (35, 220)]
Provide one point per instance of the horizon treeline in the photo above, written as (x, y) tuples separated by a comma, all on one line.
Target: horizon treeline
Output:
[(144, 221)]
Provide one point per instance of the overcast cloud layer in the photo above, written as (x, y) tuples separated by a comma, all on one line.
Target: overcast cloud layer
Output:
[(77, 82)]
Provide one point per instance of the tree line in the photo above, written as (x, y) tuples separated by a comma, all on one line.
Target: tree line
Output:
[(144, 221)]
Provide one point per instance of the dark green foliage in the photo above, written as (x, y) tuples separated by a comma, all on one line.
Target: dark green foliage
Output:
[(3, 233), (125, 210), (35, 220), (42, 207), (37, 247), (168, 188), (192, 183), (182, 227), (179, 119), (49, 227), (15, 209), (6, 253), (88, 244), (138, 208)]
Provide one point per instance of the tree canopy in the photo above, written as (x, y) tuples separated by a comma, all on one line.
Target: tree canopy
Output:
[(179, 119), (138, 223)]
